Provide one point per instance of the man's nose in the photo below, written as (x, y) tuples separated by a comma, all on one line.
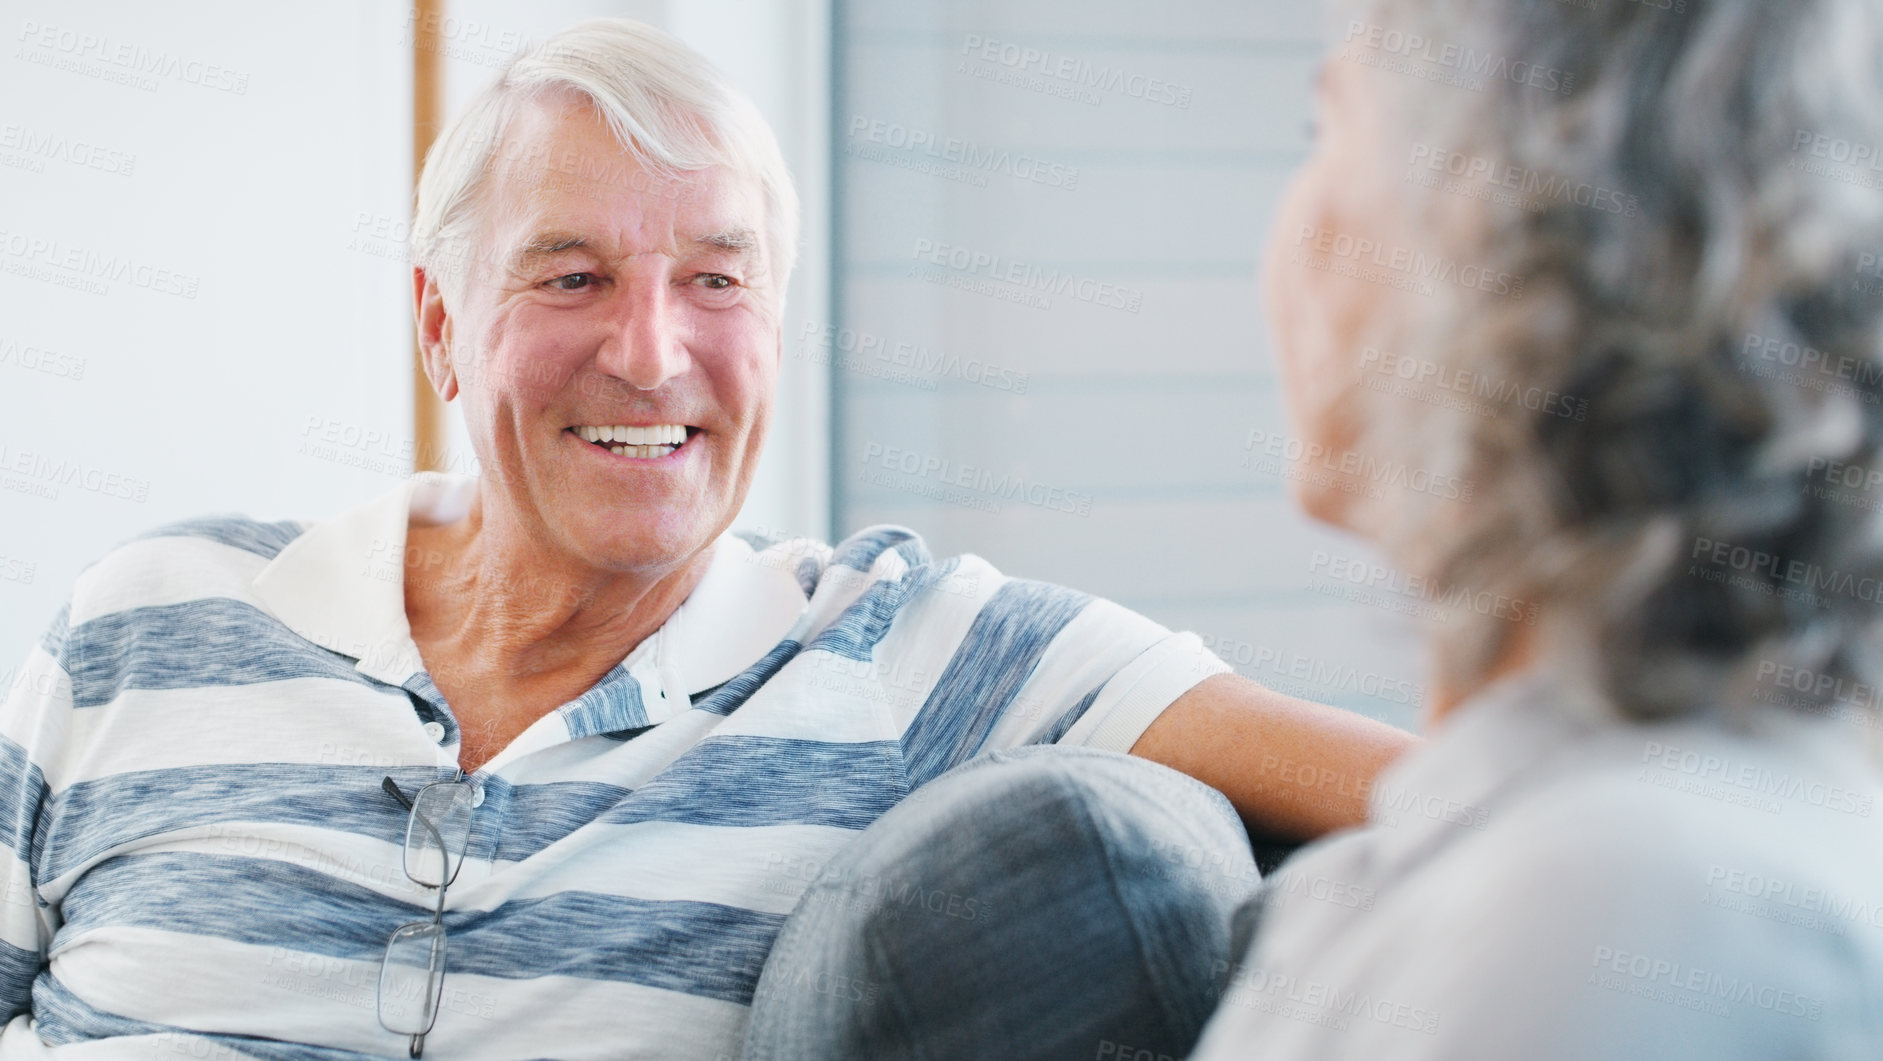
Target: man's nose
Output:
[(645, 346)]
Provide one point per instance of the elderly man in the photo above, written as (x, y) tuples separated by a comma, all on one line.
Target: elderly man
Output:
[(538, 764)]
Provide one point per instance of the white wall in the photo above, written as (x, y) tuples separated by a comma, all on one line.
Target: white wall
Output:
[(243, 313), (1138, 418)]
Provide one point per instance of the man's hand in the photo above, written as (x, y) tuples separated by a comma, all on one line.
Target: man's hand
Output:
[(1294, 769)]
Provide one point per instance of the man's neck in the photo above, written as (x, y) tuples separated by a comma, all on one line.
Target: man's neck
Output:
[(492, 603)]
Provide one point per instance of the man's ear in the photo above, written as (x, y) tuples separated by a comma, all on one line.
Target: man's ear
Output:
[(434, 333)]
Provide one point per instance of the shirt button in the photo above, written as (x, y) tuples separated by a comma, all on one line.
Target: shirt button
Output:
[(477, 795), (435, 730)]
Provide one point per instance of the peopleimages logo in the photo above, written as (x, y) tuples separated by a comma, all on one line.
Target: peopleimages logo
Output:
[(1466, 62), (41, 474), (1497, 391), (1530, 189), (1316, 1002), (1076, 74), (1029, 278), (1751, 778), (1818, 684), (1797, 355), (872, 355), (1374, 582), (1836, 149), (964, 153), (971, 482), (40, 359), (43, 145), (131, 59), (1805, 898), (14, 569), (1352, 465), (93, 266), (1401, 267), (1692, 987), (1319, 677), (1756, 569)]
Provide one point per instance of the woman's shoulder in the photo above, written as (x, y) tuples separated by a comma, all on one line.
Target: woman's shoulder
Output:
[(1703, 852), (1686, 802)]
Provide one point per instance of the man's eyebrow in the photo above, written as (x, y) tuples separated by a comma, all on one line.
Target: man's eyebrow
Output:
[(548, 244), (544, 245), (735, 241)]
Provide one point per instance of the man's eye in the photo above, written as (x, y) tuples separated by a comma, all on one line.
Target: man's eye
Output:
[(573, 281), (715, 281)]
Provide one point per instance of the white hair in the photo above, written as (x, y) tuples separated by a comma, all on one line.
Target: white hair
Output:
[(672, 111)]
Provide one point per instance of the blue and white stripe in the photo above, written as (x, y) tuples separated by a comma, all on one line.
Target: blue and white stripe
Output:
[(200, 861)]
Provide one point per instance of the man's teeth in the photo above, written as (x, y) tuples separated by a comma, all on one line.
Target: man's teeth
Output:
[(655, 435), (645, 443)]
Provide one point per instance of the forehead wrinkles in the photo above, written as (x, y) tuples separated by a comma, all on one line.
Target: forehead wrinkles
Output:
[(578, 173), (562, 175), (560, 160), (710, 211)]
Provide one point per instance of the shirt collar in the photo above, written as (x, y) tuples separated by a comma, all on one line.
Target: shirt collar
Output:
[(341, 585)]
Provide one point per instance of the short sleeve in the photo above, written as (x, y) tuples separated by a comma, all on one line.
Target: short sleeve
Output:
[(33, 715), (1040, 664)]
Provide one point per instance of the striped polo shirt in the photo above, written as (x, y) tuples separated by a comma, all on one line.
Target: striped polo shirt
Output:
[(204, 863)]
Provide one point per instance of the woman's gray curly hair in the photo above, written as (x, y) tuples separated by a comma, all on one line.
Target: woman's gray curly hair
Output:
[(1689, 530)]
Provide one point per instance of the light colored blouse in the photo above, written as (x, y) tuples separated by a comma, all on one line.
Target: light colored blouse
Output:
[(1540, 882)]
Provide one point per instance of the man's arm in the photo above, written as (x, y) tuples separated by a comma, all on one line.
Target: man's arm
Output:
[(34, 709), (1293, 769)]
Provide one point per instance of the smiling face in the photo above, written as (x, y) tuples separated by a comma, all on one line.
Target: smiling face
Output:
[(616, 346)]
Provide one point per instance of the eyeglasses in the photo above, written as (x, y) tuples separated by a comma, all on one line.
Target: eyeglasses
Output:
[(412, 979)]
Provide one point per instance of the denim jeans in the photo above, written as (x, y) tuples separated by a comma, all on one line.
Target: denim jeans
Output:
[(1035, 903)]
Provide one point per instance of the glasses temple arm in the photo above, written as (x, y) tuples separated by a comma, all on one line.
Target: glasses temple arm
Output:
[(438, 838), (393, 787)]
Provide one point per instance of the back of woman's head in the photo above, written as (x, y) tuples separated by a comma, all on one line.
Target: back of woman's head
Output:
[(1698, 242)]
